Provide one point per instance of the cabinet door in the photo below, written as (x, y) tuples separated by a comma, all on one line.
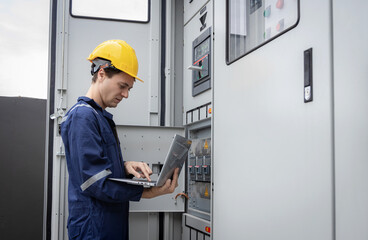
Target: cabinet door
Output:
[(84, 27), (273, 152)]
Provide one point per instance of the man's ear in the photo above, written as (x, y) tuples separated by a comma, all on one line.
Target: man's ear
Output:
[(101, 74)]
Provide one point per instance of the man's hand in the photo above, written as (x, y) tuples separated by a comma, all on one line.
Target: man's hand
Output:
[(138, 169), (168, 187)]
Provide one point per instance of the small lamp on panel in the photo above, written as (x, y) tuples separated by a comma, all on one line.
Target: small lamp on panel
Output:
[(280, 4)]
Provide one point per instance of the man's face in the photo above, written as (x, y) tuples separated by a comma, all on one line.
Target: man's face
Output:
[(114, 89)]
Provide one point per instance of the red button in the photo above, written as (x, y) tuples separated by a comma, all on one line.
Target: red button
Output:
[(208, 229)]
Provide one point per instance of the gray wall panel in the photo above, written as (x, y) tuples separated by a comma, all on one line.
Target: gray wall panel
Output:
[(144, 226), (22, 147), (351, 118)]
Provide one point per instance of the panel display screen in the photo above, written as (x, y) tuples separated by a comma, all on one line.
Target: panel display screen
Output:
[(253, 23), (202, 49)]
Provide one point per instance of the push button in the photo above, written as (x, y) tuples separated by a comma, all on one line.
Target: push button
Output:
[(280, 25), (267, 12)]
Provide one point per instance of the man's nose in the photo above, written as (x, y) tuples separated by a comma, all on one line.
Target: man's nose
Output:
[(125, 93)]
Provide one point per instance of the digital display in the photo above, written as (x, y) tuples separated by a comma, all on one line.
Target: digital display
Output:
[(202, 49)]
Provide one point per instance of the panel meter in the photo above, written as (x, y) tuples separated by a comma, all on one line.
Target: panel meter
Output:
[(201, 65)]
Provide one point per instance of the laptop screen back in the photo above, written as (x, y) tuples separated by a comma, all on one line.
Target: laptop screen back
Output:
[(175, 158)]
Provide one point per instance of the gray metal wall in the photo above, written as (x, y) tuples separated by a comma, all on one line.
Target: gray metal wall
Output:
[(351, 118), (22, 147)]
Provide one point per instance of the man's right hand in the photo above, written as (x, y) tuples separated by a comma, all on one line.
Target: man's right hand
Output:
[(168, 187), (138, 169)]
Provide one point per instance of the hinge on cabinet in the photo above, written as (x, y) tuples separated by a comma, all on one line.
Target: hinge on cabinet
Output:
[(167, 72), (60, 111), (61, 153)]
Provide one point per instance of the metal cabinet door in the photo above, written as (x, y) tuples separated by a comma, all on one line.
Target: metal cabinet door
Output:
[(77, 38), (72, 40), (273, 153)]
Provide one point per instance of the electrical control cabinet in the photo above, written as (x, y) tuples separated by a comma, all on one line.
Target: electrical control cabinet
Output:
[(288, 113), (197, 106)]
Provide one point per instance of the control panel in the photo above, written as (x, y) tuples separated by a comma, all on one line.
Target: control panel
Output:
[(201, 65), (199, 178), (197, 65)]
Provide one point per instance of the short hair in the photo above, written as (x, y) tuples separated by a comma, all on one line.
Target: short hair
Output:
[(110, 72)]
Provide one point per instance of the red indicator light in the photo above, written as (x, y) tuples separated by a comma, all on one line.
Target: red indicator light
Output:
[(210, 110), (280, 4), (278, 27), (208, 229)]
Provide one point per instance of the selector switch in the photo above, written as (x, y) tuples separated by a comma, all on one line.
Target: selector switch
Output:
[(191, 168), (205, 169), (198, 169)]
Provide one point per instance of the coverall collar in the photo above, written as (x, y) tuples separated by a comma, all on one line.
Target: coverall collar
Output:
[(95, 106)]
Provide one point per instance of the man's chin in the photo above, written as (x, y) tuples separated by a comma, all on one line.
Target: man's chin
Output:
[(113, 105)]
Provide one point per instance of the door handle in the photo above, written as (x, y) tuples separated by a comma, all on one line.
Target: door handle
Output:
[(308, 75)]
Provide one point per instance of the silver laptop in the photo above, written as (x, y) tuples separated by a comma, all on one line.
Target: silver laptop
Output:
[(175, 158)]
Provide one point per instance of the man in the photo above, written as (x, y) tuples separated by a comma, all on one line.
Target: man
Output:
[(98, 207)]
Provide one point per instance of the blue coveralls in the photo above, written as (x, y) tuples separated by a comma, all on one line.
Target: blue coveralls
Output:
[(98, 207)]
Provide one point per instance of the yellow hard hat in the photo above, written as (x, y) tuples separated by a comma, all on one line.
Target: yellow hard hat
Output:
[(120, 54)]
